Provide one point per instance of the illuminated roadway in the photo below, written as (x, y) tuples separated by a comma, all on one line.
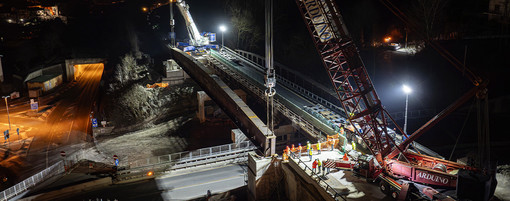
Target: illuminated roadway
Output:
[(65, 128)]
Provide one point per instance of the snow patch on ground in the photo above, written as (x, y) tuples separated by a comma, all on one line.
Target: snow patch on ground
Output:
[(503, 187)]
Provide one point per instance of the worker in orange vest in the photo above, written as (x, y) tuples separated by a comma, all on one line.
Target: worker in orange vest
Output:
[(299, 149), (314, 165), (342, 131), (345, 158), (319, 163)]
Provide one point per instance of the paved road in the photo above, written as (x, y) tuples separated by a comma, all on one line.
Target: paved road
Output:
[(65, 128), (170, 187), (194, 185)]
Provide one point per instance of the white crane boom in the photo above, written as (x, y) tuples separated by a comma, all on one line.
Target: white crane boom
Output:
[(194, 35)]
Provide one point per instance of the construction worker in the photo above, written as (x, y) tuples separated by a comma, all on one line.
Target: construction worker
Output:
[(342, 131), (310, 154), (328, 162), (293, 150), (308, 146), (319, 147), (314, 165), (331, 143), (285, 156), (345, 158), (299, 149), (319, 163), (287, 151)]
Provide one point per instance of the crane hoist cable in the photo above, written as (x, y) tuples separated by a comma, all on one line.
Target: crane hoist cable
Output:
[(270, 80)]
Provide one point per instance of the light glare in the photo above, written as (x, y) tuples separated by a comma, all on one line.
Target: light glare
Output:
[(223, 28), (407, 89)]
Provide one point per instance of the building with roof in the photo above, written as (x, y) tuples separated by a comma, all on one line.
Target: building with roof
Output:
[(45, 82)]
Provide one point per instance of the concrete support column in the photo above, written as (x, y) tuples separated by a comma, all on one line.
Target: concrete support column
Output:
[(201, 96)]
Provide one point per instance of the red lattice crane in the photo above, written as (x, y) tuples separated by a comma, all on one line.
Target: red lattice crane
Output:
[(362, 105)]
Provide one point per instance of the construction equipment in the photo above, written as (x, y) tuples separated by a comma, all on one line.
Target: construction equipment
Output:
[(198, 43), (162, 85), (363, 107)]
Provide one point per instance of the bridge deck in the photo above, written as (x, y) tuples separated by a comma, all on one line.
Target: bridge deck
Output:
[(228, 101)]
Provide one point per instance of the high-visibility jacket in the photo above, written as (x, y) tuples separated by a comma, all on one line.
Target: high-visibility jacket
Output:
[(318, 145), (308, 146), (311, 152), (314, 164), (319, 163), (300, 148), (342, 131)]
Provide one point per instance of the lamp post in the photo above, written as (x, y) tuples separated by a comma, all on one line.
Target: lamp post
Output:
[(406, 90), (223, 28), (7, 106)]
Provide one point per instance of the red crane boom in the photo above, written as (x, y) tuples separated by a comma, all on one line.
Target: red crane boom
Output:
[(348, 74)]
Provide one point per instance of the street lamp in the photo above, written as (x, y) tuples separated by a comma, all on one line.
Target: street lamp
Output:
[(223, 28), (7, 106), (406, 90)]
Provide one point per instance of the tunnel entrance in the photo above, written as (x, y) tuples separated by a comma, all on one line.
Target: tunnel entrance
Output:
[(79, 69)]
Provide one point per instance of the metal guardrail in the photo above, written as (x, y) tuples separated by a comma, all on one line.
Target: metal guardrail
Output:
[(335, 194), (56, 169), (196, 157)]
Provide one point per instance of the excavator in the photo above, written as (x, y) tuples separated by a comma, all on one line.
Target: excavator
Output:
[(403, 172)]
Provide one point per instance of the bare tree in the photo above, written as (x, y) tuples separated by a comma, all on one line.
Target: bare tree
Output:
[(427, 14), (244, 19)]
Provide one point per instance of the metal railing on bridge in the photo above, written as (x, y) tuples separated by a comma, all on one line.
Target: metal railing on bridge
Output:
[(54, 170), (234, 151)]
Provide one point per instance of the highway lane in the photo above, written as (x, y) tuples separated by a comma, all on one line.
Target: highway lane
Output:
[(173, 186), (194, 185)]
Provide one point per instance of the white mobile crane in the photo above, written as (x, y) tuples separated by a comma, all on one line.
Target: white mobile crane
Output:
[(197, 42)]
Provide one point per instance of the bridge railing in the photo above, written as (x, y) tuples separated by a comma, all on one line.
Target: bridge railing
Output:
[(194, 156), (21, 187), (54, 170)]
